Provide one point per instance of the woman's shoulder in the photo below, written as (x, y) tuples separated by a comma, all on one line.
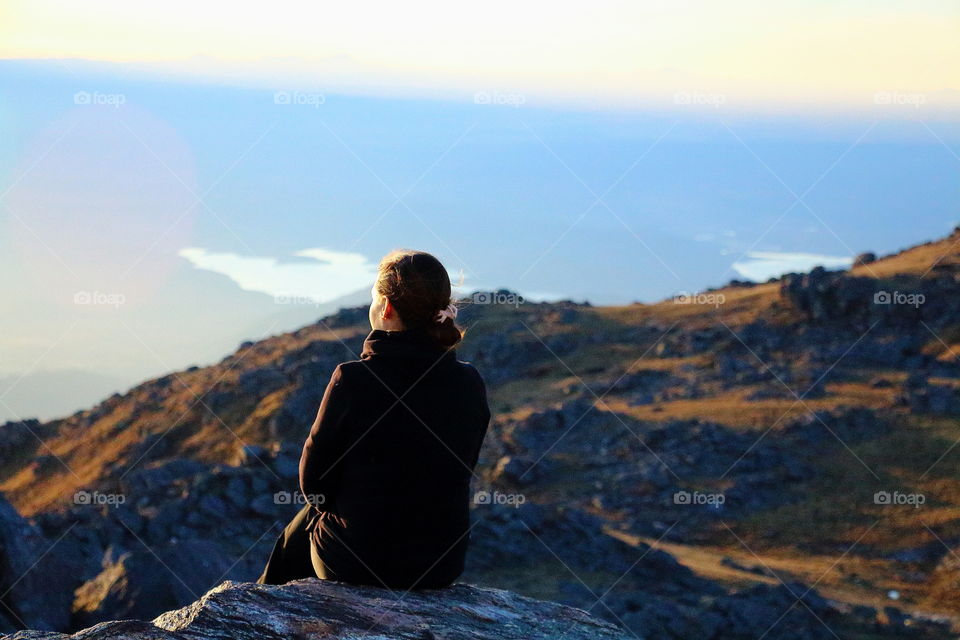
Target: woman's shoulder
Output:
[(471, 371), (359, 370), (347, 370)]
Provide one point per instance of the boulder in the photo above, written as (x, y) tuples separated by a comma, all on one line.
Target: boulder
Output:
[(782, 611), (515, 471), (15, 437), (37, 576), (322, 609), (286, 459), (139, 584), (922, 397), (251, 454)]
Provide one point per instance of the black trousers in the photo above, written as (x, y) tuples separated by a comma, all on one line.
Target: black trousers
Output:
[(295, 556), (291, 557)]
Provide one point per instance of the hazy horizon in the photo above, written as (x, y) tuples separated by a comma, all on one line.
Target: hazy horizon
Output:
[(170, 188)]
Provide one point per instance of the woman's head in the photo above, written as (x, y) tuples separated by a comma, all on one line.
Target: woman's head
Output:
[(412, 287)]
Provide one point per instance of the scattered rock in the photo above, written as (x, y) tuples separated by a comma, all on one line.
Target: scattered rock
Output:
[(922, 397), (251, 454), (515, 471), (867, 257)]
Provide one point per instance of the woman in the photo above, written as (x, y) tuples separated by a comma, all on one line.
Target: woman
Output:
[(386, 468)]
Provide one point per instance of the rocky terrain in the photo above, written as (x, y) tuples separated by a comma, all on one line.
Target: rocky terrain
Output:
[(774, 460), (318, 609)]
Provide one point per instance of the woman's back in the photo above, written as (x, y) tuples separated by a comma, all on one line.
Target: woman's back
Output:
[(387, 465), (391, 457)]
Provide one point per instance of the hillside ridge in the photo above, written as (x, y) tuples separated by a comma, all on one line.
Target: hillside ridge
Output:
[(672, 468)]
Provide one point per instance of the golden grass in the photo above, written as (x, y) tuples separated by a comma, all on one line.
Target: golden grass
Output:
[(740, 305), (849, 579), (915, 261)]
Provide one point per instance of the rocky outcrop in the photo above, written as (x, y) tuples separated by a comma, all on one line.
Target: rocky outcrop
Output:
[(900, 301), (321, 609), (37, 576), (923, 397), (22, 436), (140, 583)]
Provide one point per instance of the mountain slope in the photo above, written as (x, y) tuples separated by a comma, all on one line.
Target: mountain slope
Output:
[(797, 431)]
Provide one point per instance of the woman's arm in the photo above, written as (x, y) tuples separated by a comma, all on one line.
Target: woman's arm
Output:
[(323, 450)]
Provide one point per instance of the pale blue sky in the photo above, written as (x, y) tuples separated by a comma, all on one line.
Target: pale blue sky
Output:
[(164, 179)]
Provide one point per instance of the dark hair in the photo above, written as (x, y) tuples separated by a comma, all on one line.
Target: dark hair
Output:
[(418, 287)]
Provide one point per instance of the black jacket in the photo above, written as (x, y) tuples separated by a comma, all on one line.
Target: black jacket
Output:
[(389, 460)]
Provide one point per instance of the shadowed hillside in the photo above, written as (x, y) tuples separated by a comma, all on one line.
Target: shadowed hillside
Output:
[(760, 459)]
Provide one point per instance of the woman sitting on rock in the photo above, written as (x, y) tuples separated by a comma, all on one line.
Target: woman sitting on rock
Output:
[(386, 468)]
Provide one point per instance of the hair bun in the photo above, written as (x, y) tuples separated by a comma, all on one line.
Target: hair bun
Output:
[(417, 284), (449, 313)]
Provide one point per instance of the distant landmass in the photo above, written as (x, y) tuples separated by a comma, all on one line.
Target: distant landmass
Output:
[(212, 315), (53, 394)]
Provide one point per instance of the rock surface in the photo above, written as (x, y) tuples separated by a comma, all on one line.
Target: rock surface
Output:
[(36, 576), (322, 609)]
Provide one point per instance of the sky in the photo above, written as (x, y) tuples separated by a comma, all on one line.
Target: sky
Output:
[(176, 179), (802, 51)]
